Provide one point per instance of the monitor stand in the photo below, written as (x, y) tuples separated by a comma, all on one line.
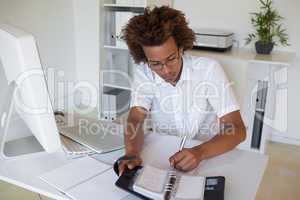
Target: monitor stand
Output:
[(18, 147)]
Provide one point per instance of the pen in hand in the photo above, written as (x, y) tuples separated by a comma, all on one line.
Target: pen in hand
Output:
[(182, 143)]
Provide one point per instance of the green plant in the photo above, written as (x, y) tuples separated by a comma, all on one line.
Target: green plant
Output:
[(267, 25)]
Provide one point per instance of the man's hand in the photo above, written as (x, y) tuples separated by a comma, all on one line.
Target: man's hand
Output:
[(130, 164), (185, 160), (134, 138)]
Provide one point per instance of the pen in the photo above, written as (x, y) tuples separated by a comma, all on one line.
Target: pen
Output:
[(182, 142)]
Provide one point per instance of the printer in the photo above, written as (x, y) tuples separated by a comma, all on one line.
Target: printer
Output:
[(213, 39)]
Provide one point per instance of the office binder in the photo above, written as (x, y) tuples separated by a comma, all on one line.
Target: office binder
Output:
[(112, 107), (258, 122), (109, 107), (105, 107), (122, 19)]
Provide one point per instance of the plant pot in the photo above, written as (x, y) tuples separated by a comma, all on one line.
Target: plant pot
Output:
[(263, 48)]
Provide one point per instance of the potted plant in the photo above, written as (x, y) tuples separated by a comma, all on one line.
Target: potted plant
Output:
[(268, 29)]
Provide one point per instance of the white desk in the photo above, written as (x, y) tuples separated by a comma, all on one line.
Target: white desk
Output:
[(243, 170)]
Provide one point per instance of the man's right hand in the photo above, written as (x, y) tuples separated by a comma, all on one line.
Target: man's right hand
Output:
[(130, 164)]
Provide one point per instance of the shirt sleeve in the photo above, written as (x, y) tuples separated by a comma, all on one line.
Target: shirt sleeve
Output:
[(142, 89), (219, 91)]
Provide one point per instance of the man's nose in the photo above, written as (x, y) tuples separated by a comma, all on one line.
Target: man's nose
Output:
[(165, 69)]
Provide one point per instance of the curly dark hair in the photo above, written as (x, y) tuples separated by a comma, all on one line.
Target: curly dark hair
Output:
[(154, 27)]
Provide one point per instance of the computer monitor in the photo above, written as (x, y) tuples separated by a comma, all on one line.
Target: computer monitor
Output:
[(24, 94)]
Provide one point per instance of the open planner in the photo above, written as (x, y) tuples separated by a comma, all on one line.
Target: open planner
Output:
[(149, 183), (168, 184)]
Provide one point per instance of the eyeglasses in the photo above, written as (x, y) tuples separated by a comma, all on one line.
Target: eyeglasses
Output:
[(158, 66)]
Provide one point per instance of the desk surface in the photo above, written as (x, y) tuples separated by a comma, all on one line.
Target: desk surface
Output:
[(243, 170)]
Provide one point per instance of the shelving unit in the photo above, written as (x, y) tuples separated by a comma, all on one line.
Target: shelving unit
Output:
[(116, 63)]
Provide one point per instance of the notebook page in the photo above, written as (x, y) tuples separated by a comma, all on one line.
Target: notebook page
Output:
[(151, 179), (99, 187), (74, 173), (190, 187)]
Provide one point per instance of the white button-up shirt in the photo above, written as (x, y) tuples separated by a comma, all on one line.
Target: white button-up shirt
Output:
[(201, 96)]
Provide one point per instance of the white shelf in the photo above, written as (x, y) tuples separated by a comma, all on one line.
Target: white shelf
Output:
[(276, 57), (125, 8), (115, 81), (116, 86), (115, 47), (112, 5)]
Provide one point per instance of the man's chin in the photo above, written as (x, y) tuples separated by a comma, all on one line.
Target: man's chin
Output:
[(169, 79)]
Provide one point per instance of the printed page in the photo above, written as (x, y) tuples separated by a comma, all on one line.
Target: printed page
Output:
[(74, 173), (152, 179), (99, 187), (191, 187)]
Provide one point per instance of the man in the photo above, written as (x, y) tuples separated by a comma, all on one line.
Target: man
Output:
[(180, 92)]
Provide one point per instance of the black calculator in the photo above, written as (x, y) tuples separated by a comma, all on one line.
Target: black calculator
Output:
[(214, 188)]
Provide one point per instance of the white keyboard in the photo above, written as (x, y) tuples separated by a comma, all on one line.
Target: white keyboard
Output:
[(74, 148)]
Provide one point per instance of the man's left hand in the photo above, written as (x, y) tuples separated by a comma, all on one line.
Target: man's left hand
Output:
[(185, 160)]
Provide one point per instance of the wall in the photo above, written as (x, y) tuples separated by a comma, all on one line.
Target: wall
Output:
[(87, 23), (234, 15), (67, 36), (52, 25)]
